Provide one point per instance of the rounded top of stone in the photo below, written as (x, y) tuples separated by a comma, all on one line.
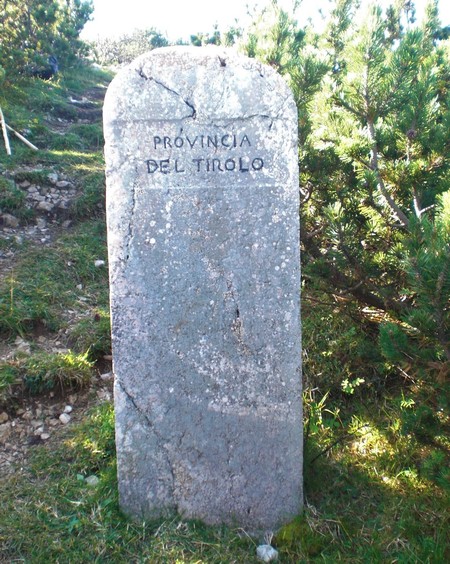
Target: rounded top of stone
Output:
[(207, 84)]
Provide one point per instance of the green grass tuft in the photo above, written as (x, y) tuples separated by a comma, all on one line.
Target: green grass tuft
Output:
[(12, 200), (93, 334), (42, 372)]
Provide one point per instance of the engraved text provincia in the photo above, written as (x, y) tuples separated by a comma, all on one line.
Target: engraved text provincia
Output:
[(210, 145)]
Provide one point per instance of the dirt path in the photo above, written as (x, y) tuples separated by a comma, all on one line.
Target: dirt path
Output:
[(27, 422)]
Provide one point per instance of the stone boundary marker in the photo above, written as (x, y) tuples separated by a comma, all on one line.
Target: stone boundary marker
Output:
[(203, 235)]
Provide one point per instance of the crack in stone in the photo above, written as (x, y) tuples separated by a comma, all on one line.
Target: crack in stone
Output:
[(187, 102), (151, 425), (231, 122), (131, 221), (237, 326)]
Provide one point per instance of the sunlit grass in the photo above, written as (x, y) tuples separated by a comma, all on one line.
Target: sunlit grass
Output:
[(385, 489), (47, 281), (366, 501), (42, 372), (54, 515)]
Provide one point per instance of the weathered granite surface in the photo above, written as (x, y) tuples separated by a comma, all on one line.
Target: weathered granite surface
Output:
[(203, 234)]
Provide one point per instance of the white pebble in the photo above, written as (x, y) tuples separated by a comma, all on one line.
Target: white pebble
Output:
[(68, 409), (107, 376), (99, 263), (92, 481), (64, 418), (266, 553)]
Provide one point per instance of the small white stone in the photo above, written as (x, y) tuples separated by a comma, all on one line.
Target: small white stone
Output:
[(107, 376), (64, 418), (266, 553), (45, 436), (92, 480), (68, 409), (99, 263)]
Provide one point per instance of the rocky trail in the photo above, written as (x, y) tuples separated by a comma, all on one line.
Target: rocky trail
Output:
[(56, 192), (29, 421)]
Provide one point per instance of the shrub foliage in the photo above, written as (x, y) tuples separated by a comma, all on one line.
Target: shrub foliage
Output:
[(373, 95), (32, 30)]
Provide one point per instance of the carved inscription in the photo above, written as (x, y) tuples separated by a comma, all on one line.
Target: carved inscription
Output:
[(213, 149)]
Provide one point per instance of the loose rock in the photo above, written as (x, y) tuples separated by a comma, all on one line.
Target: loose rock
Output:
[(64, 418), (92, 480), (5, 430), (266, 553), (10, 220), (107, 377), (45, 205)]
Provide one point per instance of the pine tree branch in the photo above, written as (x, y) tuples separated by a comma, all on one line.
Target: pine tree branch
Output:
[(341, 281), (442, 335), (341, 102), (374, 166)]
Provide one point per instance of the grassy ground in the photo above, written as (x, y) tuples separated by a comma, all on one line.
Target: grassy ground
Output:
[(376, 459), (368, 500)]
